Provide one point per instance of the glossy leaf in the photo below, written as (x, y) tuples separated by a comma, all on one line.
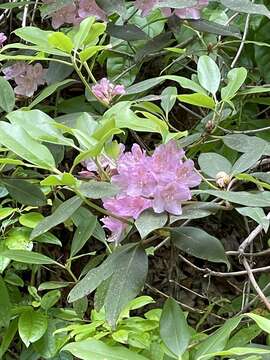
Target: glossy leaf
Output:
[(16, 139), (86, 224), (5, 304), (126, 282), (98, 189), (25, 192), (212, 163), (174, 329), (61, 214), (7, 96), (32, 326), (198, 243), (236, 78), (98, 350), (208, 74), (149, 221), (28, 257)]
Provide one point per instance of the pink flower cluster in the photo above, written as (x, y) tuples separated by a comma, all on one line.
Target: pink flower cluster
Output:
[(27, 77), (146, 7), (75, 12), (161, 181), (3, 38), (105, 91)]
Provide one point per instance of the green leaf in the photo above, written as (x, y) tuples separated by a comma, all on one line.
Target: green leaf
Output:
[(91, 51), (8, 336), (97, 350), (17, 140), (174, 330), (63, 179), (32, 326), (5, 305), (218, 340), (246, 6), (236, 78), (61, 41), (208, 74), (61, 214), (39, 126), (24, 192), (34, 35), (96, 276), (261, 321), (98, 189), (84, 30), (258, 199), (244, 143), (238, 352), (50, 299), (86, 224), (30, 219), (257, 214), (198, 100), (127, 32), (126, 282), (7, 96), (198, 243), (168, 98), (28, 257), (149, 221), (212, 163), (248, 159)]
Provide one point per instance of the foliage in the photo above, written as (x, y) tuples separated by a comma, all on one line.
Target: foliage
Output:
[(134, 161)]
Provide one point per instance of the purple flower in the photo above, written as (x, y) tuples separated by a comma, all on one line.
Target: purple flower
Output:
[(27, 77), (3, 38), (105, 91), (192, 12), (127, 206), (161, 181), (168, 197)]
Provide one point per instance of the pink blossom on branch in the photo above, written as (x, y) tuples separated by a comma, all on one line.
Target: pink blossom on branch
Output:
[(161, 181), (105, 91)]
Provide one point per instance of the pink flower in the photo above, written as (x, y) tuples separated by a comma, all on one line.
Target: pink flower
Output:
[(3, 38), (168, 198), (186, 13), (105, 91), (192, 12), (27, 77), (127, 206), (90, 8), (161, 181), (145, 6), (134, 176), (116, 228)]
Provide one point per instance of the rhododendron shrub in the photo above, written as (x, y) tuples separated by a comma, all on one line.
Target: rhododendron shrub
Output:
[(134, 179)]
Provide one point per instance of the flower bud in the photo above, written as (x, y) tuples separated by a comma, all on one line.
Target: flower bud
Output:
[(222, 179)]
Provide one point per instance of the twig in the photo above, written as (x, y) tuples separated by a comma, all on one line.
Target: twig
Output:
[(247, 306), (251, 237), (255, 284), (209, 272), (242, 41)]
